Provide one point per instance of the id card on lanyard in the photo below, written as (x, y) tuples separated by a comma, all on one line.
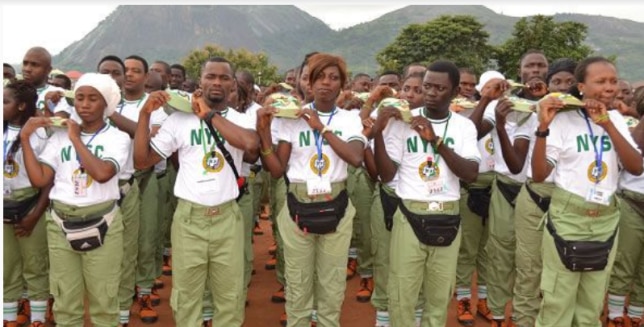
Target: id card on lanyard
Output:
[(596, 193), (435, 184), (321, 184), (80, 179)]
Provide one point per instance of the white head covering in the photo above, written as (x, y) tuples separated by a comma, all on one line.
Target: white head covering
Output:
[(488, 76), (106, 86)]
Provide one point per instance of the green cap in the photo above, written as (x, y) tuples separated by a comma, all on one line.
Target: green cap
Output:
[(179, 101), (287, 106)]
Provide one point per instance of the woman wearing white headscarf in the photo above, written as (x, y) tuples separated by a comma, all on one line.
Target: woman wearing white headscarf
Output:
[(84, 227)]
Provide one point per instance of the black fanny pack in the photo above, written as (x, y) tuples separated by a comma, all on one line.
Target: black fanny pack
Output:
[(318, 217), (509, 191), (389, 207), (14, 211), (479, 201), (434, 230), (87, 234), (542, 203), (581, 255)]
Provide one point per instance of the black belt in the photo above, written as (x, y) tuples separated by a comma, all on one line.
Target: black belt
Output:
[(542, 202)]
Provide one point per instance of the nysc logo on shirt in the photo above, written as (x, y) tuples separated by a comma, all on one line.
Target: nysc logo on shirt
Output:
[(489, 146), (10, 168), (427, 172), (213, 162), (595, 174), (321, 165)]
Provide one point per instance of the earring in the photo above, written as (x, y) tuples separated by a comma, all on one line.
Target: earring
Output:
[(581, 93)]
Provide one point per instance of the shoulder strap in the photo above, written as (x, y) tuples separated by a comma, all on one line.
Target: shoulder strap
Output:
[(224, 151)]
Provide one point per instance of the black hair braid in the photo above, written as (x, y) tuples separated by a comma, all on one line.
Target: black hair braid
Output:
[(24, 92)]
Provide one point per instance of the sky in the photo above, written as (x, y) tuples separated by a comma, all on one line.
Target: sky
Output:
[(54, 32)]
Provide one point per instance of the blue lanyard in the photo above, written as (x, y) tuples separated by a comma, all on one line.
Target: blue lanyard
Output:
[(598, 153), (87, 145), (319, 138)]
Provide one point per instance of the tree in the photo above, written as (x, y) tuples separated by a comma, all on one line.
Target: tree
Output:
[(256, 63), (556, 40), (459, 38)]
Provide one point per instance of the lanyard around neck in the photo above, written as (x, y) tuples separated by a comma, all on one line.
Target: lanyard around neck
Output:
[(598, 153), (319, 138), (88, 143), (6, 145), (437, 156)]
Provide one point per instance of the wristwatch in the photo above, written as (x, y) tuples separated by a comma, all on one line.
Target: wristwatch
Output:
[(539, 133)]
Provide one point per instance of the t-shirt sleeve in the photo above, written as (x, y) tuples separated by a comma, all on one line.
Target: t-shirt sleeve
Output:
[(620, 124), (164, 142), (526, 130), (118, 151), (489, 113), (393, 137), (281, 131), (158, 117), (555, 140), (470, 143), (49, 155), (354, 130)]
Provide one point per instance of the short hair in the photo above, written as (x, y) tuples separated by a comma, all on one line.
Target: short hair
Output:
[(582, 68), (247, 76), (638, 100), (139, 58), (406, 68), (4, 64), (179, 67), (389, 72), (466, 70), (68, 81), (322, 61), (414, 75), (529, 52), (358, 75), (165, 65), (561, 65), (111, 58), (448, 67), (218, 59)]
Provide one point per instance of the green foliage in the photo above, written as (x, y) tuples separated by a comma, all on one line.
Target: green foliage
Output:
[(556, 40), (256, 63), (459, 38)]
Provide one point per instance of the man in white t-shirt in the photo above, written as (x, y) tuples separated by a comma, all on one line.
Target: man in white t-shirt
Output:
[(430, 156), (207, 230), (36, 66)]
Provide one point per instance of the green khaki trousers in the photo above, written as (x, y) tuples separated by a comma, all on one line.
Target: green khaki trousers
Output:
[(472, 255), (529, 234), (130, 208), (277, 200), (627, 277), (149, 233), (163, 183), (207, 244), (315, 265), (500, 248), (380, 239), (246, 208), (414, 265), (360, 188), (95, 275), (575, 298)]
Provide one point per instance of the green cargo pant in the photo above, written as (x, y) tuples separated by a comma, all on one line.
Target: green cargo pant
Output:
[(627, 277), (164, 185), (360, 188), (315, 265), (380, 238), (529, 234), (130, 208), (278, 199), (25, 259), (171, 204), (472, 255), (414, 265), (575, 298), (207, 244), (148, 232), (500, 248), (94, 275), (246, 208)]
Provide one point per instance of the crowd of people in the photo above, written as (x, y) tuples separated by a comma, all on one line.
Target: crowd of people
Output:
[(423, 183)]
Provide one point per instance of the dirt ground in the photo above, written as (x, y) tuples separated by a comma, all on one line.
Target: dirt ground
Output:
[(261, 312)]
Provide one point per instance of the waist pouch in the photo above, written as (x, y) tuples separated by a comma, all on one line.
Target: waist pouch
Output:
[(635, 204), (581, 255), (389, 207), (542, 203), (14, 211), (242, 184), (434, 230), (318, 217), (509, 191), (479, 201), (85, 235)]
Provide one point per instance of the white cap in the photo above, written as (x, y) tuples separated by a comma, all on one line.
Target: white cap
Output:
[(488, 76), (106, 86), (257, 89)]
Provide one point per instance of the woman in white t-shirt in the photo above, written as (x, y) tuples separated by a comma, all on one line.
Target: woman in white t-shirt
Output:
[(584, 149), (84, 227), (24, 242), (314, 151)]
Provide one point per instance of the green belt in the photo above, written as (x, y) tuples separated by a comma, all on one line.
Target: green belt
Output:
[(22, 194), (574, 203), (430, 206), (301, 192), (202, 210), (74, 213)]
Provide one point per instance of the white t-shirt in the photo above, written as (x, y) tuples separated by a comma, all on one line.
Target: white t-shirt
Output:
[(251, 112), (514, 120), (109, 144), (202, 178), (14, 172), (626, 180), (528, 129), (485, 146), (570, 150), (62, 105), (131, 110), (412, 154), (304, 162)]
